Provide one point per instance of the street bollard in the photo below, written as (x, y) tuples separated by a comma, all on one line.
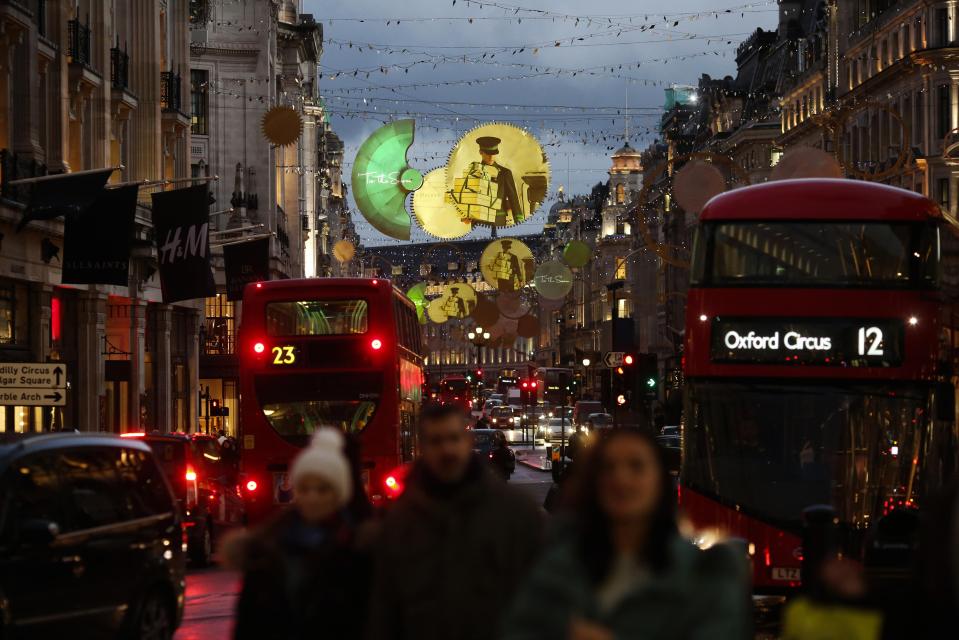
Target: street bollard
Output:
[(820, 542)]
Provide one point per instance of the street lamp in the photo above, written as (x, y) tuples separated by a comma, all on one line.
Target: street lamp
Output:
[(479, 338), (586, 362)]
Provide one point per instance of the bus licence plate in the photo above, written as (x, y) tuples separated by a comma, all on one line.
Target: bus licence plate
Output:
[(790, 574)]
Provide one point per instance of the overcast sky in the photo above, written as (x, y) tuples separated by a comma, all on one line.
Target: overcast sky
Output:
[(619, 51)]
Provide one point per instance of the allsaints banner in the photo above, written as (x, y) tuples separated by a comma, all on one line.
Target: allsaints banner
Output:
[(245, 262), (71, 194), (181, 222), (97, 241)]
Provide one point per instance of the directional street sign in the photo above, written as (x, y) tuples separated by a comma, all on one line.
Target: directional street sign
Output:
[(614, 359), (41, 384)]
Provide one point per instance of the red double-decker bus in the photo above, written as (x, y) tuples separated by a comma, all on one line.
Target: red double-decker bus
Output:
[(325, 352), (456, 390), (814, 365)]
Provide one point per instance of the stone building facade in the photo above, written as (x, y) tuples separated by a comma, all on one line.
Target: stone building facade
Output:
[(88, 84)]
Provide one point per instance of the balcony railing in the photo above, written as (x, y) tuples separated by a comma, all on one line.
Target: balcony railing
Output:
[(119, 67), (78, 46), (170, 90)]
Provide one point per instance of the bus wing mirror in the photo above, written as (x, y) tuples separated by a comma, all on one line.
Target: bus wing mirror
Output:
[(945, 402)]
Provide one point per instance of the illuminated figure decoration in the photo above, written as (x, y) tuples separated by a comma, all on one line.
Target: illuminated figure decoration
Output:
[(497, 175), (434, 208), (507, 264), (382, 179), (459, 300)]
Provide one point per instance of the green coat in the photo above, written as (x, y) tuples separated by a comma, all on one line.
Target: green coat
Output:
[(703, 595)]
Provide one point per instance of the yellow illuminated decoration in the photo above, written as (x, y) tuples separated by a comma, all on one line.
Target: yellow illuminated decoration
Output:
[(507, 264), (457, 302), (282, 125), (434, 208), (553, 280), (344, 251), (497, 175)]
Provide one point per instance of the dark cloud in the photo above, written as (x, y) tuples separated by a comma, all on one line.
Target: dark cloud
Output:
[(639, 31)]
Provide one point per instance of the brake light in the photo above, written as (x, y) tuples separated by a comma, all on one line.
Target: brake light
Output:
[(190, 474), (259, 285), (391, 482), (376, 344), (251, 485), (133, 434), (259, 347)]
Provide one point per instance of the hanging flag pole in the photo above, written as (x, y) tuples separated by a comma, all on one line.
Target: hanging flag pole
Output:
[(153, 183), (260, 236), (60, 176), (225, 231)]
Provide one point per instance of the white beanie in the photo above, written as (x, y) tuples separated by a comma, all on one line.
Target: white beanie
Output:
[(324, 457)]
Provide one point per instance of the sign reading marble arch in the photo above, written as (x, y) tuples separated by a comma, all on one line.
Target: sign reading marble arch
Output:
[(850, 342)]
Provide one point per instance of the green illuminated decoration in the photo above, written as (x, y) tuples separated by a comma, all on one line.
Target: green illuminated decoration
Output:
[(417, 295), (382, 179)]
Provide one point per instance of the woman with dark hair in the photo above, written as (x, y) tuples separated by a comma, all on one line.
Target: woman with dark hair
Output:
[(622, 570)]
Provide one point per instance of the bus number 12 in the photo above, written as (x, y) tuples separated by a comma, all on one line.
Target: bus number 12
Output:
[(283, 355), (870, 341)]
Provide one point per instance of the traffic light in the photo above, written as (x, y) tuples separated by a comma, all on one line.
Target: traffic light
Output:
[(479, 374), (648, 370)]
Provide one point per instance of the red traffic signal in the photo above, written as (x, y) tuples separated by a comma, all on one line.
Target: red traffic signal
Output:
[(479, 373), (628, 358)]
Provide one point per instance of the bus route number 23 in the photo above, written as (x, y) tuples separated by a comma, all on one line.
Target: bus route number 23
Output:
[(870, 341), (284, 355)]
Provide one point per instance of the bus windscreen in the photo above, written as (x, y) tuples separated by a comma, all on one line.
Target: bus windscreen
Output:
[(316, 317), (297, 406), (816, 253)]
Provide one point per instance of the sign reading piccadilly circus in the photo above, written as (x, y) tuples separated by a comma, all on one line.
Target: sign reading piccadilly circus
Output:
[(830, 342)]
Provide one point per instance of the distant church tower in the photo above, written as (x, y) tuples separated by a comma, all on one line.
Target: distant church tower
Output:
[(625, 183), (626, 174)]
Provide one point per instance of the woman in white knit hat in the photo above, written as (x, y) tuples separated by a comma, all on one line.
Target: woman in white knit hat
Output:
[(304, 575)]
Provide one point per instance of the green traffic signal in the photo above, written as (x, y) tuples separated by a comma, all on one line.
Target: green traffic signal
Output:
[(651, 382)]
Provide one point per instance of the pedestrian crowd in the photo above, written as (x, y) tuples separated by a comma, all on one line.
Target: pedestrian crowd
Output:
[(463, 555)]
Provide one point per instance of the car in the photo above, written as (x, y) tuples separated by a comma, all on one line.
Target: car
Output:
[(584, 408), (490, 444), (599, 421), (91, 539), (669, 431), (504, 417), (488, 407), (557, 426), (206, 486)]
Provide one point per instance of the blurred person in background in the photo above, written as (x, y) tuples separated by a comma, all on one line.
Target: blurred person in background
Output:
[(621, 570), (305, 574), (456, 544)]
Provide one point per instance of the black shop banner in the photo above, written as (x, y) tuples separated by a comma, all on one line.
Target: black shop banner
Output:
[(245, 262), (61, 196), (182, 226), (97, 240)]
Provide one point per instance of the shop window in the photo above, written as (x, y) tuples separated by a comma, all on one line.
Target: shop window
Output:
[(14, 314), (219, 329)]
